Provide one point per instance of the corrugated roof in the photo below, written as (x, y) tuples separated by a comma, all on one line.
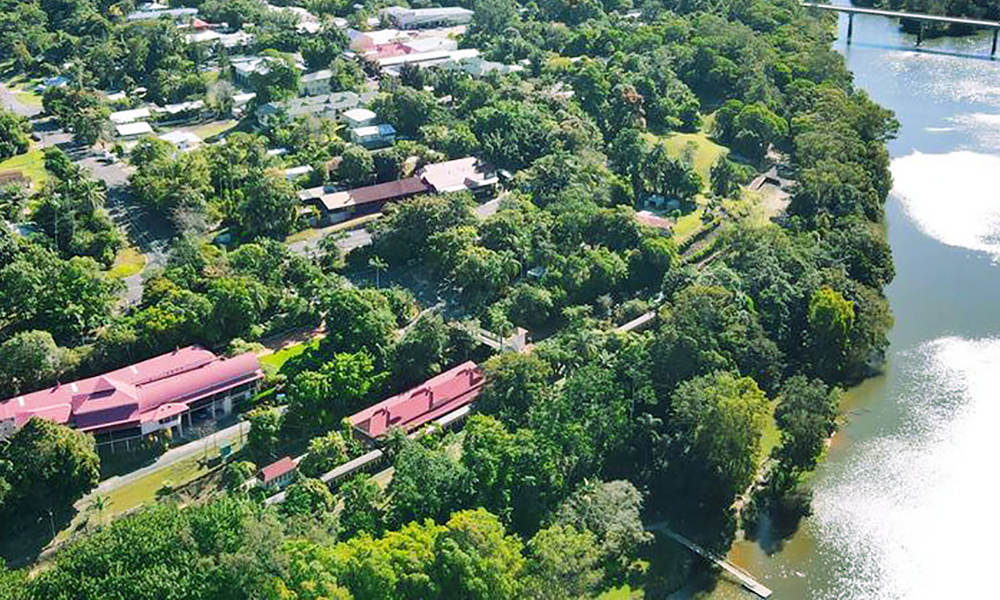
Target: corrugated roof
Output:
[(126, 395), (436, 397), (277, 469)]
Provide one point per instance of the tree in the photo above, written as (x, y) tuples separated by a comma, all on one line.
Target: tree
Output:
[(263, 437), (317, 400), (515, 382), (727, 177), (279, 80), (364, 507), (831, 318), (30, 360), (237, 473), (323, 454), (51, 466), (474, 559), (562, 563), (807, 417), (716, 423), (426, 484), (612, 512), (356, 166), (307, 497), (13, 135), (530, 306), (421, 351), (268, 208), (358, 318)]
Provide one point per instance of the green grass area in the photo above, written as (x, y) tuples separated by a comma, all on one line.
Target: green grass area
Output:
[(772, 435), (128, 262), (31, 164), (29, 99), (624, 592), (703, 151), (276, 360), (302, 236), (213, 129), (688, 224)]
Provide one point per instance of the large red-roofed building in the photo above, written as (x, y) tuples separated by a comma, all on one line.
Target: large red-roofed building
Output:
[(433, 399), (142, 398)]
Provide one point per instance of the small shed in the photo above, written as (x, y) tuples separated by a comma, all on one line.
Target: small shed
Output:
[(278, 474)]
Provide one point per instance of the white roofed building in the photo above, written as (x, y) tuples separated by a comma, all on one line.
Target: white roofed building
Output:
[(415, 18)]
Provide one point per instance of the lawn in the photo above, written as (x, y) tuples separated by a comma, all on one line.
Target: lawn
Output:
[(688, 224), (29, 99), (128, 262), (276, 360), (704, 152), (213, 129), (31, 163)]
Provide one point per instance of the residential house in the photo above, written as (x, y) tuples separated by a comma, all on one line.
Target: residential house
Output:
[(416, 18), (307, 23), (279, 474), (183, 140), (462, 174), (336, 206), (477, 66), (179, 15), (134, 130), (327, 106), (358, 117), (437, 397), (315, 83), (129, 116), (296, 172), (152, 395), (374, 136), (362, 41), (57, 82)]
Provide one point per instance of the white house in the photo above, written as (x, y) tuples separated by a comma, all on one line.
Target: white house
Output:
[(134, 130), (358, 117), (183, 140), (129, 116), (366, 40), (374, 136), (315, 83), (415, 18)]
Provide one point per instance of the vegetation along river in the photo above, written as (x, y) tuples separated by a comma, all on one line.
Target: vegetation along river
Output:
[(905, 499)]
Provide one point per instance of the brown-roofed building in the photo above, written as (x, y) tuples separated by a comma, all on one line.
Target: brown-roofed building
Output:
[(435, 398), (339, 206), (278, 474)]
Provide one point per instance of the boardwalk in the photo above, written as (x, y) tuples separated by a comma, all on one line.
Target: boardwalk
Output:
[(746, 579), (850, 11)]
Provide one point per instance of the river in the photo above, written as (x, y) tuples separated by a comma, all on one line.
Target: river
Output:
[(904, 498)]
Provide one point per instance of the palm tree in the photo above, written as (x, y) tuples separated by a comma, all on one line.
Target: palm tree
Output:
[(100, 504), (377, 263)]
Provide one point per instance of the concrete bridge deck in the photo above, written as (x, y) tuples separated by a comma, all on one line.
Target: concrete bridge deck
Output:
[(896, 14), (850, 11)]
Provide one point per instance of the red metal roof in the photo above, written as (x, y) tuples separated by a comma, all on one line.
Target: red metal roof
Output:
[(135, 393), (382, 192), (435, 398), (276, 469)]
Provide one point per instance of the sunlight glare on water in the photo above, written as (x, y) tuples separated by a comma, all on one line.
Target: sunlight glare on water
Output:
[(952, 197), (933, 480)]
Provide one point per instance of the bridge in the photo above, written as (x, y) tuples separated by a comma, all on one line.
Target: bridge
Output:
[(920, 18), (745, 579)]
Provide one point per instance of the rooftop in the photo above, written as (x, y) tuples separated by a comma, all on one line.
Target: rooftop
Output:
[(137, 393), (276, 469), (128, 116), (435, 398), (134, 128), (458, 175), (381, 192)]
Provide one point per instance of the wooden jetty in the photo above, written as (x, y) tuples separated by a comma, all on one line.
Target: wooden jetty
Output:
[(745, 579)]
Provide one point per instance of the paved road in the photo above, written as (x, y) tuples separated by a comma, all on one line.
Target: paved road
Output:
[(11, 103), (148, 232), (168, 458)]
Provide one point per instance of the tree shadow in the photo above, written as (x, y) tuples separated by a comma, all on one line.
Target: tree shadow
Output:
[(24, 537)]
